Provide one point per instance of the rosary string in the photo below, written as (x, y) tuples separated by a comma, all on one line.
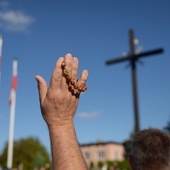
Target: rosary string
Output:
[(71, 81)]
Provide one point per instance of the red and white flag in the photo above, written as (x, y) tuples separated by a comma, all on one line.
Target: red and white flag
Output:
[(14, 82), (12, 102)]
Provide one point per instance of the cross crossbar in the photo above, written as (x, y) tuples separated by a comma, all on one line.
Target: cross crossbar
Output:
[(133, 58)]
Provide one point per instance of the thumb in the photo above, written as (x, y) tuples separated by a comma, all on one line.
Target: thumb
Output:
[(42, 88)]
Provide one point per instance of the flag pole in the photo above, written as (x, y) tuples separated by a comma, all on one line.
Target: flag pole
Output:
[(11, 130), (12, 103)]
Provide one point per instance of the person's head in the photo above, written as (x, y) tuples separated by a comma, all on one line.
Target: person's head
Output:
[(151, 150)]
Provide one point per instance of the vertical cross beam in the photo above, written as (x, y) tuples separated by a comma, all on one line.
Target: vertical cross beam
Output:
[(132, 57), (134, 82)]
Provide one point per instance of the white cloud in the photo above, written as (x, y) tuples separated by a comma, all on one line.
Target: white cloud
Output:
[(15, 20), (88, 115)]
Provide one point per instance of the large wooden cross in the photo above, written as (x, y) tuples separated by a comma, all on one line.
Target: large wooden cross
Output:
[(133, 58)]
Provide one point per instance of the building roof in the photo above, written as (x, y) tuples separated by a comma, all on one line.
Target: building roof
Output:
[(101, 143)]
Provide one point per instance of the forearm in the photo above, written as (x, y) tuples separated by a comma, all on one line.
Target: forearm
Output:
[(66, 153)]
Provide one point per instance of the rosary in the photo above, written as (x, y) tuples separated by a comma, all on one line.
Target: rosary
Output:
[(72, 83)]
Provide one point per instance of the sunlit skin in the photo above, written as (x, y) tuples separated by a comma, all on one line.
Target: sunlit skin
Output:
[(58, 106)]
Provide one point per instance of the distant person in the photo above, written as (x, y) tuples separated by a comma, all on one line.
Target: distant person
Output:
[(104, 167), (151, 150), (58, 104)]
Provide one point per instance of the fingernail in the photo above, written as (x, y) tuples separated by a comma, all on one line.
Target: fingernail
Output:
[(68, 55), (36, 78), (75, 60), (85, 72)]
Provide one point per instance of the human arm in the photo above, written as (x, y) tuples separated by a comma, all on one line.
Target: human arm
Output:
[(58, 107)]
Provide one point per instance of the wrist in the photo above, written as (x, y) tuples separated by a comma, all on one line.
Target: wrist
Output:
[(61, 131), (60, 123)]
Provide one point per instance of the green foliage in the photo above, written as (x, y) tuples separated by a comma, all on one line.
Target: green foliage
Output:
[(3, 157), (91, 165), (124, 165), (110, 163), (120, 165), (100, 164), (127, 146), (167, 127), (29, 152)]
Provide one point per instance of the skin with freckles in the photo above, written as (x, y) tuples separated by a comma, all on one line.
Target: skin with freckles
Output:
[(58, 105)]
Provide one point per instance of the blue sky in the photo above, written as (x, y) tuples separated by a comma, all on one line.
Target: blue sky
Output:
[(38, 32)]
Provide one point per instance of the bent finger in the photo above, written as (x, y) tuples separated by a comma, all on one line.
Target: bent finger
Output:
[(75, 68), (82, 81), (67, 71)]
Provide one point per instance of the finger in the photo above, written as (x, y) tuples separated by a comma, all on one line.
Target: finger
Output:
[(57, 75), (74, 76), (83, 79), (75, 68), (81, 83), (42, 88), (68, 61)]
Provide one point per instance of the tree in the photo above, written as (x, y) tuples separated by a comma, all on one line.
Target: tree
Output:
[(100, 164), (167, 127), (29, 152), (124, 165), (127, 146), (91, 165)]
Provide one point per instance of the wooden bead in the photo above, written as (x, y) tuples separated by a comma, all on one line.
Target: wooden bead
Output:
[(75, 86), (72, 82), (65, 71), (82, 88), (63, 65), (68, 77)]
